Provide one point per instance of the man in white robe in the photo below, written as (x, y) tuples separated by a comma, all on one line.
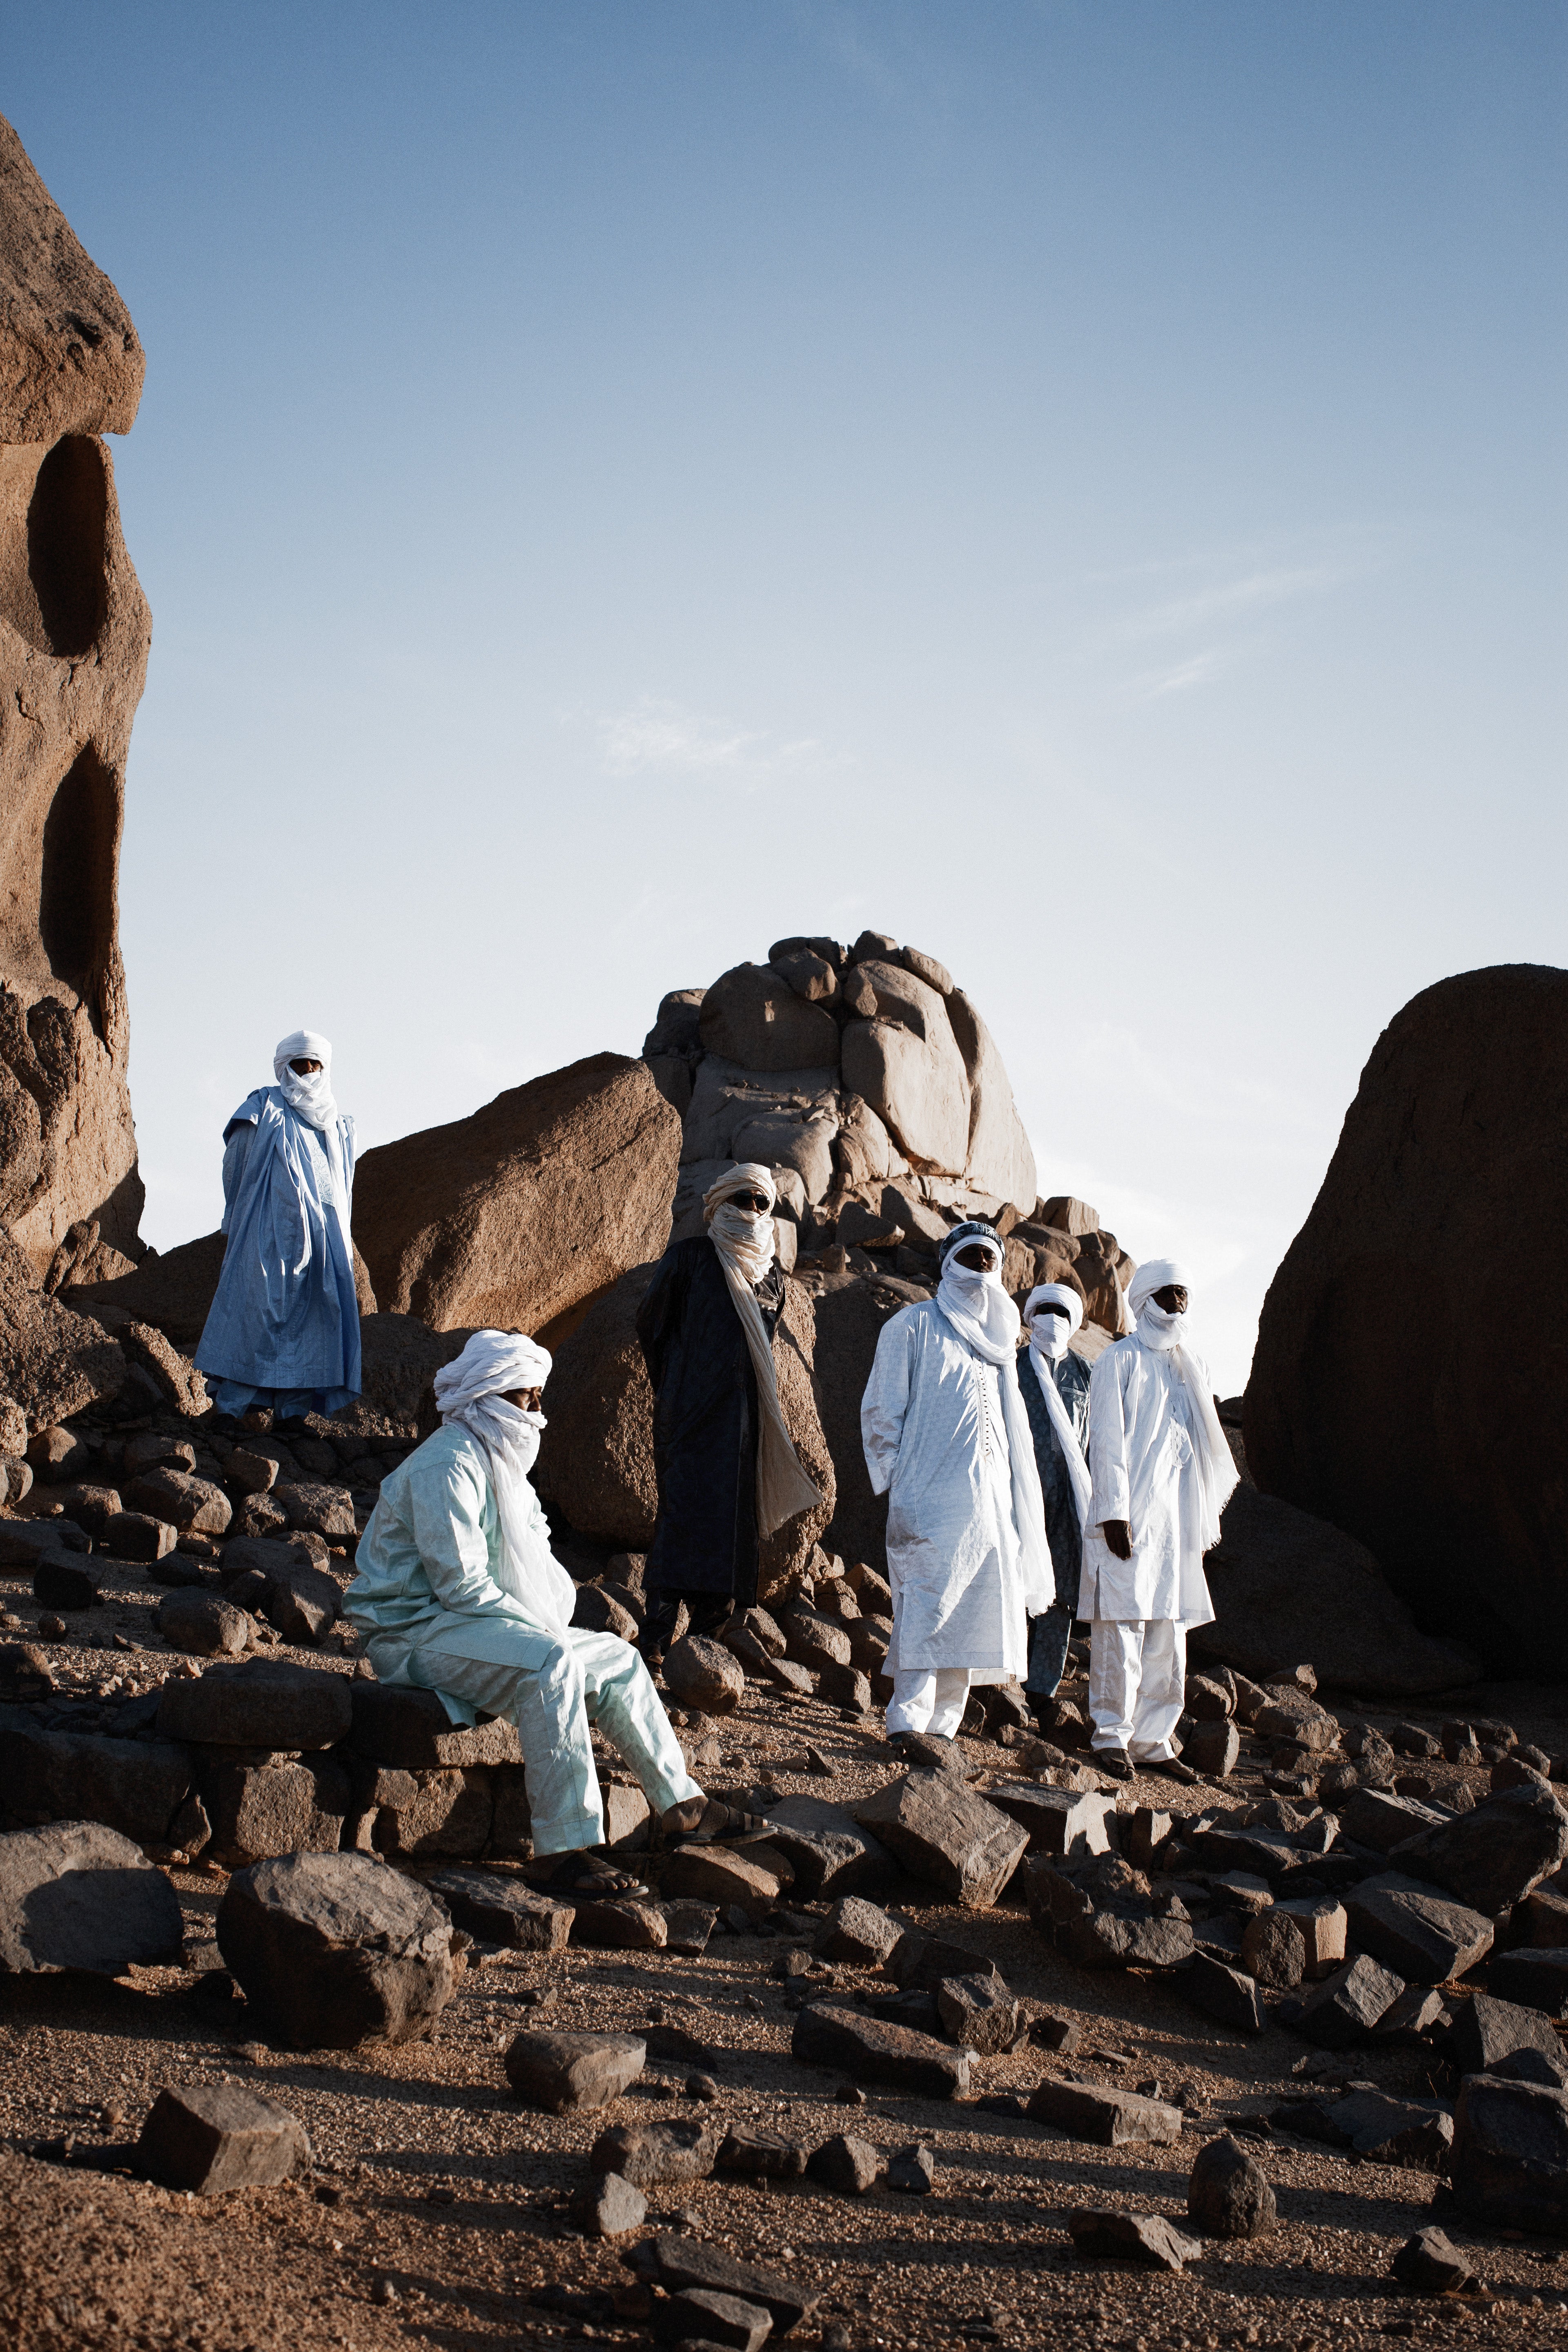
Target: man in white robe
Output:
[(947, 1438), (1162, 1474), (457, 1592)]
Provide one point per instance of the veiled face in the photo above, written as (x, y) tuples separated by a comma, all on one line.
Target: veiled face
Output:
[(754, 1203), (525, 1400), (1172, 1299), (304, 1067), (977, 1257)]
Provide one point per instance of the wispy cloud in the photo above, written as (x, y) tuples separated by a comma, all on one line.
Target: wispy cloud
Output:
[(1197, 671), (656, 737)]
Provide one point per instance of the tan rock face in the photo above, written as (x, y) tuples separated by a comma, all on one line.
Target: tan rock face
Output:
[(521, 1215), (74, 636)]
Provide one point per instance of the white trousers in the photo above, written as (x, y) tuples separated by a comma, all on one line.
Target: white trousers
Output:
[(552, 1688), (1137, 1672), (928, 1699)]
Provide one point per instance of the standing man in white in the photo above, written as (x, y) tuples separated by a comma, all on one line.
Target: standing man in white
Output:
[(1162, 1475), (947, 1438)]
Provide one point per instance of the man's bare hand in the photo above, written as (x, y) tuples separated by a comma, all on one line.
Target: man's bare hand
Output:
[(1117, 1535)]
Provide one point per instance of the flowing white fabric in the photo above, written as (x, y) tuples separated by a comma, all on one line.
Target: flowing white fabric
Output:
[(744, 1242), (309, 1097), (468, 1391), (1049, 1337), (986, 1320), (1167, 1334)]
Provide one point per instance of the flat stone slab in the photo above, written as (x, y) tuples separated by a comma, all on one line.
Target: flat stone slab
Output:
[(761, 2156), (721, 1875), (1426, 1937), (944, 1832), (75, 1895), (1107, 2118), (211, 2137), (1414, 2134), (700, 2315), (262, 1703), (565, 2072), (649, 2155), (869, 2049), (496, 1907), (677, 2264), (1102, 2232)]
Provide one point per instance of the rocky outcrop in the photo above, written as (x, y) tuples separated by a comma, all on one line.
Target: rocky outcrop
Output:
[(74, 634), (844, 1071), (595, 1459), (520, 1216), (1372, 1402)]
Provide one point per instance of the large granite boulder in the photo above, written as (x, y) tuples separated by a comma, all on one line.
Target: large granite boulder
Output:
[(595, 1458), (74, 634), (1370, 1401), (1289, 1586), (521, 1216)]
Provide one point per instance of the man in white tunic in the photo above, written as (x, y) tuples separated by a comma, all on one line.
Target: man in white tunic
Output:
[(1162, 1475), (457, 1592), (947, 1438)]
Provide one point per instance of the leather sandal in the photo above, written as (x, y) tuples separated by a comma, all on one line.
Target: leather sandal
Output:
[(718, 1819), (581, 1874)]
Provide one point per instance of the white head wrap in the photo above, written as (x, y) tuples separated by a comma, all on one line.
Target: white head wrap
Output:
[(986, 1320), (1166, 1334), (744, 1242), (1049, 1337), (310, 1096), (468, 1391)]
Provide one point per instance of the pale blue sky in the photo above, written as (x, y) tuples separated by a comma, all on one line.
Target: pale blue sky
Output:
[(1078, 486)]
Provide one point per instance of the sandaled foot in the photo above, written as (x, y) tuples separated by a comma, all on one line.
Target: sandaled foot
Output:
[(581, 1873), (707, 1818), (1172, 1767), (1114, 1760)]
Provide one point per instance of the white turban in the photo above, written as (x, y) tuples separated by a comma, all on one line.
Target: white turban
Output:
[(1049, 1337), (310, 1096), (1166, 1334), (744, 1239), (1049, 1333), (468, 1392)]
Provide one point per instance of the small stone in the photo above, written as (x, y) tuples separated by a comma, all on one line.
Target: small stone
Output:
[(52, 1628), (1223, 1993), (761, 2156), (1273, 1950), (857, 1933), (1228, 2193), (566, 2071), (847, 2164), (1053, 2032), (59, 1584), (1107, 2118), (849, 2094), (912, 2170), (1101, 2230), (676, 2264), (895, 2056), (138, 1535), (702, 2087), (704, 1675), (1347, 2005), (1425, 1937), (699, 2314), (1428, 2263), (724, 1876), (1212, 1748), (208, 2137), (202, 1625), (980, 2013), (945, 1832), (607, 2206)]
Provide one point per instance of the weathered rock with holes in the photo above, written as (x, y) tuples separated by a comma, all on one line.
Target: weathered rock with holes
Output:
[(870, 2050), (259, 1811), (1229, 2192), (77, 1896), (566, 2071), (336, 1950), (208, 2139), (947, 1833)]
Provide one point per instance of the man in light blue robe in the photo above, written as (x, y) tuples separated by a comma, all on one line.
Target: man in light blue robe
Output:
[(457, 1592), (282, 1334)]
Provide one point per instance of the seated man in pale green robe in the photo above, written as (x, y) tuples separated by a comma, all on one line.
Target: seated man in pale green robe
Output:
[(457, 1592)]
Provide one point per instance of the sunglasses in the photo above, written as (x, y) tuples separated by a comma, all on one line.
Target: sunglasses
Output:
[(755, 1201)]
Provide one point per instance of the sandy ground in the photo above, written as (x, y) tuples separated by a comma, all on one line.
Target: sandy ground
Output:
[(437, 2212)]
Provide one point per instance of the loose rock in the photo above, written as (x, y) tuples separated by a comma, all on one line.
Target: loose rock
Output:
[(849, 2165), (1228, 2193), (606, 2206), (336, 1949), (1102, 2232), (944, 1832), (871, 2051), (704, 1675), (210, 2137), (1107, 2118), (77, 1895), (1429, 2265), (565, 2072), (649, 2155)]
